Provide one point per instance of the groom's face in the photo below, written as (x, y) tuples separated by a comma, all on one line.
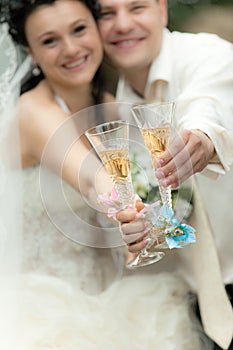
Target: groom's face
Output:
[(131, 31)]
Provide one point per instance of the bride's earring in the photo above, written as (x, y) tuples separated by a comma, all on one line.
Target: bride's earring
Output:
[(36, 71)]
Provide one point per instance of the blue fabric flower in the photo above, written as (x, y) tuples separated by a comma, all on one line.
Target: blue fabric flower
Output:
[(176, 234)]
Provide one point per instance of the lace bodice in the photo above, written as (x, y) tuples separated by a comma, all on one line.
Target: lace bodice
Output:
[(47, 251)]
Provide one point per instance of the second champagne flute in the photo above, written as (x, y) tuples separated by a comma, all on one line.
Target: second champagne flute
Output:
[(111, 142), (154, 121)]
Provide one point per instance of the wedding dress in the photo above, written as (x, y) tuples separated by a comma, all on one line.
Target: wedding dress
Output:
[(76, 297), (68, 296)]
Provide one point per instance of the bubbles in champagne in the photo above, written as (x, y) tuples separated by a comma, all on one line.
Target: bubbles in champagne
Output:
[(156, 140), (116, 163)]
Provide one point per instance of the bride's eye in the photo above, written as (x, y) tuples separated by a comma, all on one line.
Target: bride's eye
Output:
[(79, 29), (49, 41)]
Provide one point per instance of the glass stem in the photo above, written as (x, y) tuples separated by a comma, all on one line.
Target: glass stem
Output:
[(166, 196), (125, 192)]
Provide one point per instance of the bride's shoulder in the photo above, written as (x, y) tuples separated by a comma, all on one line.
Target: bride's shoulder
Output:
[(38, 117), (36, 99), (38, 107)]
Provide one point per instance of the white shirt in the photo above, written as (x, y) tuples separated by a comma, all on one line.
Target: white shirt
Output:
[(198, 73)]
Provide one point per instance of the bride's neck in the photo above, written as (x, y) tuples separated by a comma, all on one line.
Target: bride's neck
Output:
[(76, 99)]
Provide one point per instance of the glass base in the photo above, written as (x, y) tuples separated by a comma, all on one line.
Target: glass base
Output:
[(145, 259)]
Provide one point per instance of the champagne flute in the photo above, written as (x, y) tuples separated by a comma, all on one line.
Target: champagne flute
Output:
[(154, 121), (111, 142)]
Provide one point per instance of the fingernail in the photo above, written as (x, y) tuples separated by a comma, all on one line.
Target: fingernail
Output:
[(147, 241), (147, 229), (165, 182), (139, 215), (159, 174), (160, 162)]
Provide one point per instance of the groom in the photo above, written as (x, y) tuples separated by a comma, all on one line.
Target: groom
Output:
[(195, 71)]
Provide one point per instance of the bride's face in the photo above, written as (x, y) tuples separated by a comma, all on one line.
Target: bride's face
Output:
[(64, 41)]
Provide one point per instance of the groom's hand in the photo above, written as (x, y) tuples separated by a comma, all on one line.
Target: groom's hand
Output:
[(189, 153)]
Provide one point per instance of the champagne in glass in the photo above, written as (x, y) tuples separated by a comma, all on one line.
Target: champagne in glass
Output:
[(154, 121), (156, 141), (116, 163), (111, 142)]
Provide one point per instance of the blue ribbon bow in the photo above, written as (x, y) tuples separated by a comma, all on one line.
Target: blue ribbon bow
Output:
[(176, 234)]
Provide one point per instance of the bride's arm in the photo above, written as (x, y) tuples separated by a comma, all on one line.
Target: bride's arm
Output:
[(49, 136)]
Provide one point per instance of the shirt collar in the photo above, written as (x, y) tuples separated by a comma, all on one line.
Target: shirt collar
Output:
[(161, 66)]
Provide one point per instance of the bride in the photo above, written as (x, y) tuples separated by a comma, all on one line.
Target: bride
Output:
[(56, 293)]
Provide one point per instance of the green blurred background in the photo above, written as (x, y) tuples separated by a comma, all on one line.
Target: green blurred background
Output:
[(214, 16)]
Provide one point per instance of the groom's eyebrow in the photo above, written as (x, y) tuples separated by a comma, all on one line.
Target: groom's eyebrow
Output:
[(129, 4)]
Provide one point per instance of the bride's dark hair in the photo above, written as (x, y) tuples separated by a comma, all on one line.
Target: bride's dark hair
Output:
[(16, 12)]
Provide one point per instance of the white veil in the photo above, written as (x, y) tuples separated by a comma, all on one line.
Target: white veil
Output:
[(13, 66)]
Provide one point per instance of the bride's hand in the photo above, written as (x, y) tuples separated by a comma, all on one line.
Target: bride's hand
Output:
[(134, 229)]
